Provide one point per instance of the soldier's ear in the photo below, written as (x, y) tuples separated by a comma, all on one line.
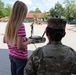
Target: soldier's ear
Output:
[(47, 33), (48, 36), (64, 34)]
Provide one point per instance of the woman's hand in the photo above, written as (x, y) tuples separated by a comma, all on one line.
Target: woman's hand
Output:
[(30, 41)]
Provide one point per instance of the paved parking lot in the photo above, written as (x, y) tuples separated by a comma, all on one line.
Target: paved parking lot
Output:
[(69, 39)]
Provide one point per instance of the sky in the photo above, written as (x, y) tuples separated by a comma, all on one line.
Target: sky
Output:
[(43, 5)]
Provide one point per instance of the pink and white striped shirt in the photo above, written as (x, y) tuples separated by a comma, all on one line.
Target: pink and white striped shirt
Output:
[(21, 54)]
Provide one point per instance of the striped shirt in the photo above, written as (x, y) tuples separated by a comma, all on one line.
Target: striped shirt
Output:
[(21, 54)]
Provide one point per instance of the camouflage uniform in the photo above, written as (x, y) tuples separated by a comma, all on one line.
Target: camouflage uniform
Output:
[(63, 60), (52, 59)]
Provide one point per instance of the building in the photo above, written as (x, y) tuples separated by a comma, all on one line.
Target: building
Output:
[(33, 17), (30, 17)]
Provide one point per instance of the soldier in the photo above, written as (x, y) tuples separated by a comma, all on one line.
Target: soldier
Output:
[(53, 58)]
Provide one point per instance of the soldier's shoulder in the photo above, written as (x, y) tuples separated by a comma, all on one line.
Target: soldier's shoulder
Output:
[(38, 51), (70, 49)]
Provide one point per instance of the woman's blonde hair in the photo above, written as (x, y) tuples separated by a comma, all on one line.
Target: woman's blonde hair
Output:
[(17, 16)]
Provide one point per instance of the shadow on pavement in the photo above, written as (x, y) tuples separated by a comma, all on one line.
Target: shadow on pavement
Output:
[(5, 62)]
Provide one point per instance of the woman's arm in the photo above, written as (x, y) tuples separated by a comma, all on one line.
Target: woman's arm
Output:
[(21, 44), (22, 34)]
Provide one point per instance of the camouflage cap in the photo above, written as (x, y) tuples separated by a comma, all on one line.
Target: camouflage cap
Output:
[(56, 23)]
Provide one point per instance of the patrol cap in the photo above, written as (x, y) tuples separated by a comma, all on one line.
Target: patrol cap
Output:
[(56, 23)]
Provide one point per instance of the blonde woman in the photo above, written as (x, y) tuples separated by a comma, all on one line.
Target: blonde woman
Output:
[(15, 37)]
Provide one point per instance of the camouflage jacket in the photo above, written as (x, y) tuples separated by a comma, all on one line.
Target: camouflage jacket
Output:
[(52, 59)]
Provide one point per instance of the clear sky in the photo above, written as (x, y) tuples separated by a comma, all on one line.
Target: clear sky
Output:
[(43, 5)]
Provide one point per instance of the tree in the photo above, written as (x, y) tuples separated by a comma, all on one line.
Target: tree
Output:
[(69, 9), (35, 16), (1, 5), (74, 13), (45, 16), (52, 12), (4, 11), (58, 10), (1, 9), (31, 11), (37, 10), (8, 9)]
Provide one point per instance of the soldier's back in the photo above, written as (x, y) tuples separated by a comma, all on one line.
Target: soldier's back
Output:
[(57, 59)]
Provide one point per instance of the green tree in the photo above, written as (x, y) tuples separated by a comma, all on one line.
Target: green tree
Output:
[(8, 9), (31, 11), (74, 13), (35, 17), (58, 10), (52, 12), (45, 16), (1, 9), (1, 5), (37, 10), (69, 4)]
